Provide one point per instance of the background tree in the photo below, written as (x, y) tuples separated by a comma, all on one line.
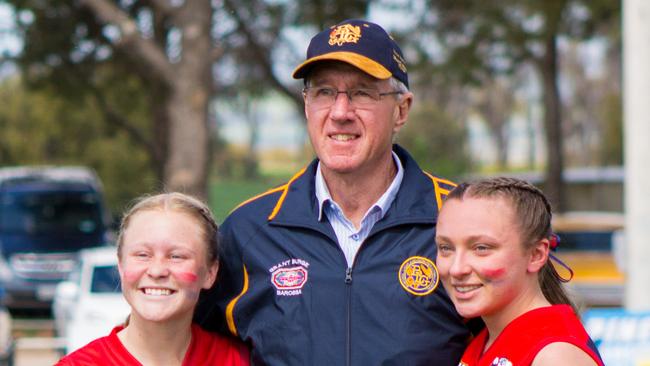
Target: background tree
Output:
[(495, 102), (179, 52), (180, 60), (483, 39), (167, 48), (436, 141), (39, 127)]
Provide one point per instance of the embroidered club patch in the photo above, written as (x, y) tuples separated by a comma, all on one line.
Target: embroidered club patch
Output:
[(289, 276), (418, 275)]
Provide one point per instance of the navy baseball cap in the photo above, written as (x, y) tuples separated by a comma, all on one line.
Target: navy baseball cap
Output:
[(362, 44)]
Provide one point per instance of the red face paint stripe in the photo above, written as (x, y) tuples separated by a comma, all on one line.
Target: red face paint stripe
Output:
[(186, 276), (494, 273)]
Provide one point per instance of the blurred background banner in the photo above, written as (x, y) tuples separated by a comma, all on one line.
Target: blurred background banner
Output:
[(622, 337)]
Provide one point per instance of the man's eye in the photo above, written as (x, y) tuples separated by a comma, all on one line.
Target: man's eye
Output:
[(361, 93), (325, 92)]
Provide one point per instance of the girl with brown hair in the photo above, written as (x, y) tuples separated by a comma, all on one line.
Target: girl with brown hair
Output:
[(493, 238)]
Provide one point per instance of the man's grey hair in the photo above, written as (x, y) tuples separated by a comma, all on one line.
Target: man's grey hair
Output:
[(398, 85)]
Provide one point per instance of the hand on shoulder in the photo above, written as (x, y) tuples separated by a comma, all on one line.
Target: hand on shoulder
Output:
[(562, 353)]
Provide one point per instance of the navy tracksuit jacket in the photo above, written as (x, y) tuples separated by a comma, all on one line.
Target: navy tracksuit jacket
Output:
[(284, 285)]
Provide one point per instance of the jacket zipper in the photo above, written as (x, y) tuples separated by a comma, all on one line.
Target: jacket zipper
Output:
[(348, 344)]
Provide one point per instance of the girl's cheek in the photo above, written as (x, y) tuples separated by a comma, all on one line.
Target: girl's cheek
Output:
[(185, 276), (133, 274), (493, 274), (190, 279)]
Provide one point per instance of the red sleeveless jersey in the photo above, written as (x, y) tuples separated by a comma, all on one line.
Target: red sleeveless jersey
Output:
[(524, 337), (205, 349)]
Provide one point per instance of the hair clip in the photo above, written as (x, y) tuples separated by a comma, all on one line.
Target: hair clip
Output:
[(554, 241)]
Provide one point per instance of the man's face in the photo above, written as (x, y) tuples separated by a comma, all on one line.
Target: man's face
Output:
[(348, 137)]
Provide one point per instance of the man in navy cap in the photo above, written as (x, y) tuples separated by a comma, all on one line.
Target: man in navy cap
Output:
[(336, 267)]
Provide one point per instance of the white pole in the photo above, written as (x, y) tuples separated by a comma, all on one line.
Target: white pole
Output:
[(636, 112)]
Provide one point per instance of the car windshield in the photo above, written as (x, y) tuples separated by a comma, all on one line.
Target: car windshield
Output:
[(46, 212), (106, 279)]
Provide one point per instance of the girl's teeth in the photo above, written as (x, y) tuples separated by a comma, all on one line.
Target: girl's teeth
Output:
[(157, 291), (466, 288)]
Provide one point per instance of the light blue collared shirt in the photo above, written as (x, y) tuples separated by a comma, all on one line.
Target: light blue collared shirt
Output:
[(350, 239)]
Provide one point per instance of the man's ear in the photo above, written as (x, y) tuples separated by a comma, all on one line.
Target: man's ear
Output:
[(402, 111), (538, 255)]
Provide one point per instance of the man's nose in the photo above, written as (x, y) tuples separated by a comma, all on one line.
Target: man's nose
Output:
[(342, 107)]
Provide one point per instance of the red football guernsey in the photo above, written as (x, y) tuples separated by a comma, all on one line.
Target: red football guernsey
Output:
[(205, 349), (524, 337)]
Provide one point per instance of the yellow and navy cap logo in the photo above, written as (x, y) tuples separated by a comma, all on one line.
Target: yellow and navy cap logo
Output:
[(343, 34), (418, 275), (362, 44)]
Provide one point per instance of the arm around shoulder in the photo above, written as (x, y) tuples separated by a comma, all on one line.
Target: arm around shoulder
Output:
[(562, 353)]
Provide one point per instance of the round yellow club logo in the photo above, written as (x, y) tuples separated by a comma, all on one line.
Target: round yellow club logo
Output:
[(418, 275)]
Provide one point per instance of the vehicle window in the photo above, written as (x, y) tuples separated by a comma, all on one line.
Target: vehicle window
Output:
[(105, 279), (47, 212)]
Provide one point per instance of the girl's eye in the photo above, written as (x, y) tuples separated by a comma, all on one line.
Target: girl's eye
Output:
[(481, 248), (444, 249), (141, 255), (178, 256)]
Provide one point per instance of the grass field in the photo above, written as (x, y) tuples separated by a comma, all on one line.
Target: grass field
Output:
[(226, 195)]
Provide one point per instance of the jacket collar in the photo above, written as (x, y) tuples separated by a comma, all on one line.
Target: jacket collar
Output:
[(415, 201)]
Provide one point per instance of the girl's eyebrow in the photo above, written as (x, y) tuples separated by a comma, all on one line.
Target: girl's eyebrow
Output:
[(471, 238)]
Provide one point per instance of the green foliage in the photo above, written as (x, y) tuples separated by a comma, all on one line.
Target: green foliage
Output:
[(478, 38), (68, 53), (326, 13), (39, 127), (437, 142)]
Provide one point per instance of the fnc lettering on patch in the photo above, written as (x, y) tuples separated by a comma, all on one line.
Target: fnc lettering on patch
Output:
[(418, 275), (346, 33), (289, 276)]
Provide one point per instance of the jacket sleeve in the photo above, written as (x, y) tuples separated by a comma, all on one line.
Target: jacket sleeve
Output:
[(215, 308)]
